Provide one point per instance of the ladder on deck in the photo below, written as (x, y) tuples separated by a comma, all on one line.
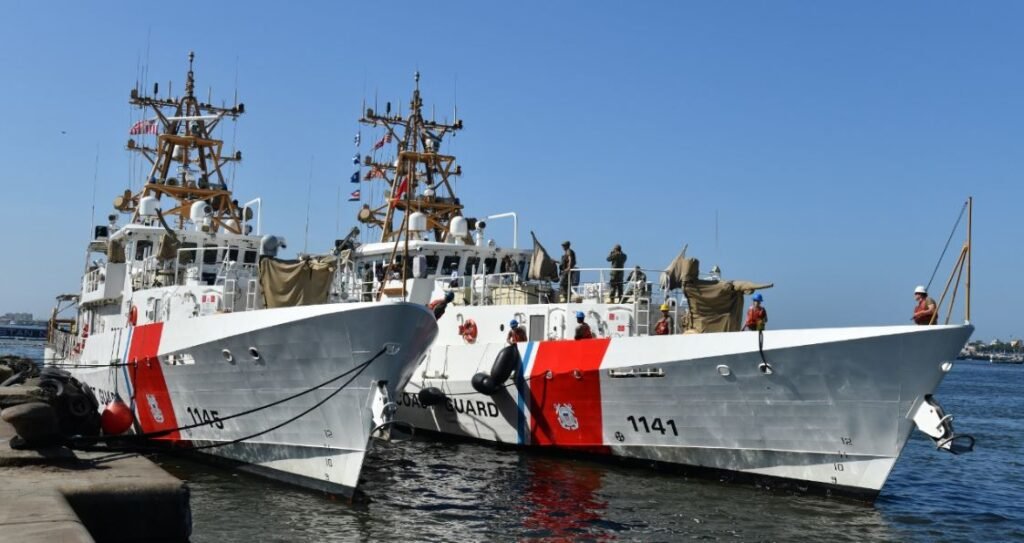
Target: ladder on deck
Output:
[(642, 314)]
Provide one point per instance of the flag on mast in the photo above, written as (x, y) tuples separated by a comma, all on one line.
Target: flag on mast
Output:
[(380, 143), (355, 177), (354, 197), (144, 126)]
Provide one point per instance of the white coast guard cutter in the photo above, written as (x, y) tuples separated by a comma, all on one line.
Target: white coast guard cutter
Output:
[(827, 409), (186, 315)]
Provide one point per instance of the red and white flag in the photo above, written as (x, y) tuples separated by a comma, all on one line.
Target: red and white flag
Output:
[(145, 126), (380, 143), (354, 197)]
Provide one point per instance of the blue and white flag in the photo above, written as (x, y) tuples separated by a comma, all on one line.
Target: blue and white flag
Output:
[(355, 159), (358, 139), (355, 177)]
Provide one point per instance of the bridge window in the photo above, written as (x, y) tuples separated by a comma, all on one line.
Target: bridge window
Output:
[(250, 257), (472, 262), (233, 254), (143, 248), (210, 254), (490, 264), (432, 264), (450, 264), (188, 253)]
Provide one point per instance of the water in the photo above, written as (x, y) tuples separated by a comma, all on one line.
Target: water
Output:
[(423, 490)]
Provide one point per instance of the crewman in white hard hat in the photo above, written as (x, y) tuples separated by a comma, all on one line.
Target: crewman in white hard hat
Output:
[(664, 326), (926, 311)]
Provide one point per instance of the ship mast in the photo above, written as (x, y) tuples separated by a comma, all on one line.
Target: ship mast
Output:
[(187, 164), (420, 179)]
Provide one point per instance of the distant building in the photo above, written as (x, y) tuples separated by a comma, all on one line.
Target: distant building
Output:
[(12, 318)]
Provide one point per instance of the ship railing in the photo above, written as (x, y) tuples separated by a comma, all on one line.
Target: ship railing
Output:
[(488, 289), (92, 281), (64, 344)]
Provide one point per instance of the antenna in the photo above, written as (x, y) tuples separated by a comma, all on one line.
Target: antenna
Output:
[(95, 180), (309, 199)]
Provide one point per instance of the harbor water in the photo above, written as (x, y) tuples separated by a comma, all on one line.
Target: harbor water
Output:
[(423, 490)]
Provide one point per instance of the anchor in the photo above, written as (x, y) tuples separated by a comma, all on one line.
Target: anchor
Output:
[(932, 420)]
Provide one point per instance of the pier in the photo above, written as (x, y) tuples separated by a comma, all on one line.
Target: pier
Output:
[(56, 494)]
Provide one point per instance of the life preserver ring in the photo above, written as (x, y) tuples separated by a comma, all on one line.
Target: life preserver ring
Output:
[(133, 315), (85, 330), (468, 331)]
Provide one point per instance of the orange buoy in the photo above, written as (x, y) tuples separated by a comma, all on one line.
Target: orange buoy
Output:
[(116, 418)]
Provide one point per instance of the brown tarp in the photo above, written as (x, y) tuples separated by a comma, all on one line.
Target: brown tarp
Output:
[(679, 271), (168, 248), (716, 306), (542, 266), (288, 283), (115, 252)]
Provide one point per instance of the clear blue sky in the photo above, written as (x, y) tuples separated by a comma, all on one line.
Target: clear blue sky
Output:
[(835, 141)]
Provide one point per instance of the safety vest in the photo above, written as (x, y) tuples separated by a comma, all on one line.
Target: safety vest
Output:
[(756, 318)]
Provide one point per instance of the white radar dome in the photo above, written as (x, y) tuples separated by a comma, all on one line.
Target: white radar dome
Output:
[(148, 206), (200, 211), (417, 222), (459, 227)]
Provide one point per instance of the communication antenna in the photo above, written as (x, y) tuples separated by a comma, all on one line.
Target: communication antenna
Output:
[(309, 199)]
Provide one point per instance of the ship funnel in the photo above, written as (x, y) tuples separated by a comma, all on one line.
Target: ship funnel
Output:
[(148, 206)]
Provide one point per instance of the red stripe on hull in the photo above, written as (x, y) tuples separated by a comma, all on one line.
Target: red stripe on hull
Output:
[(154, 408), (566, 409)]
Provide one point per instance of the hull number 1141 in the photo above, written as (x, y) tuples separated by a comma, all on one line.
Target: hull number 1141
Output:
[(640, 424)]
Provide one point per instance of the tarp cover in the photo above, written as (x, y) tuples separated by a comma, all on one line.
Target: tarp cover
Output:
[(288, 283), (542, 266), (168, 248), (679, 271), (716, 306), (115, 251)]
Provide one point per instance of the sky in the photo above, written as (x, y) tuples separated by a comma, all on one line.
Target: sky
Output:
[(825, 147)]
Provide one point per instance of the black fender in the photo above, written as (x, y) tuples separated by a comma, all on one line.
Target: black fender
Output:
[(504, 364), (431, 396)]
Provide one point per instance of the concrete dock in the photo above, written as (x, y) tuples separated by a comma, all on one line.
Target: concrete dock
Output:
[(57, 494)]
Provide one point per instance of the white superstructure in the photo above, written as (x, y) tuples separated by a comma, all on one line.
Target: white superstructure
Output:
[(174, 318)]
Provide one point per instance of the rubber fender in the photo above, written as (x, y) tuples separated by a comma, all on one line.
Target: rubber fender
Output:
[(431, 396), (504, 364)]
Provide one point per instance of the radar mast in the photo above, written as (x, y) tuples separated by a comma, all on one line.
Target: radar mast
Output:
[(187, 161), (420, 179)]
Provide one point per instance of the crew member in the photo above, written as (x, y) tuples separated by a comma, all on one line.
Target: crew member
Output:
[(438, 306), (567, 265), (757, 317), (926, 311), (637, 282), (665, 326), (618, 260), (582, 328), (516, 333)]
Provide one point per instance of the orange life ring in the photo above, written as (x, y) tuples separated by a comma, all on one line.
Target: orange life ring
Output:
[(133, 315), (468, 331)]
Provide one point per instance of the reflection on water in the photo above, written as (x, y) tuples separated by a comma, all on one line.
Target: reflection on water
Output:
[(442, 491)]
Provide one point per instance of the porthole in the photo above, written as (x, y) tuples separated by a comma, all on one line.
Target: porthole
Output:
[(255, 354), (228, 356), (723, 370)]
